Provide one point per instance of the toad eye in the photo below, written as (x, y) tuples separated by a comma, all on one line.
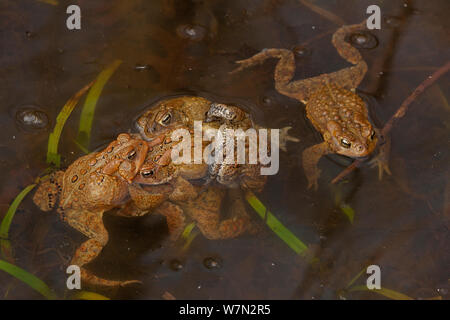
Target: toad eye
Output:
[(147, 173), (166, 119), (372, 135), (131, 155), (345, 143)]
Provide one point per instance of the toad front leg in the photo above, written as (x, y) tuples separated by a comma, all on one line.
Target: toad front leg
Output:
[(381, 160), (91, 225), (310, 159)]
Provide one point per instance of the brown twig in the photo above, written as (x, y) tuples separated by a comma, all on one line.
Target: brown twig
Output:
[(421, 88), (401, 111), (324, 13)]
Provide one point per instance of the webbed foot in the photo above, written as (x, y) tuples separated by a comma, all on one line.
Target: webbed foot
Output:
[(285, 137), (382, 160)]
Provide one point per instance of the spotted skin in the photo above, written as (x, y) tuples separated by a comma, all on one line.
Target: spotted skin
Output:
[(333, 108), (168, 114), (91, 185)]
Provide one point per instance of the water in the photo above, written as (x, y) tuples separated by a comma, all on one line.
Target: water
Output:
[(172, 47)]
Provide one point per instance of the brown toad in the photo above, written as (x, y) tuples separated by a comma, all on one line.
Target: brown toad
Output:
[(333, 108), (91, 185), (204, 206), (189, 200), (185, 110), (161, 166)]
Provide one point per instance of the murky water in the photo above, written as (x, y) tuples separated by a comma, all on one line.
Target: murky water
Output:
[(170, 47)]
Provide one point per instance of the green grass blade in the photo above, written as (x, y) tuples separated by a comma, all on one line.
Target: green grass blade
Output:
[(189, 239), (275, 225), (87, 295), (87, 114), (348, 211), (388, 293), (53, 157), (7, 219), (356, 277), (28, 278), (187, 230)]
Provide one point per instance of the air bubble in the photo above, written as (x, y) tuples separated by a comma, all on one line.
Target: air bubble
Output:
[(191, 32), (212, 263), (392, 22), (267, 101), (31, 118), (176, 265), (363, 40), (301, 52), (142, 67)]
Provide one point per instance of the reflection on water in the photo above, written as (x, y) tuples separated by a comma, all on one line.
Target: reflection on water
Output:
[(173, 47)]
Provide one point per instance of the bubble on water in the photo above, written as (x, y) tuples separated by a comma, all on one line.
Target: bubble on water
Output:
[(149, 70), (30, 118), (443, 291), (212, 263), (176, 265), (392, 21), (191, 32), (301, 51), (30, 34), (267, 101), (142, 67), (363, 40)]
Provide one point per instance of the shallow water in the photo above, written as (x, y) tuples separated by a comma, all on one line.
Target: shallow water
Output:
[(401, 223)]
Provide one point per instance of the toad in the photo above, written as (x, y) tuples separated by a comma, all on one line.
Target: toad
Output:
[(189, 197), (185, 110), (333, 108), (92, 185)]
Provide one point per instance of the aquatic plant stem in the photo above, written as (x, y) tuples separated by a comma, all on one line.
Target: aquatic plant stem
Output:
[(53, 157), (6, 223), (28, 278), (87, 113)]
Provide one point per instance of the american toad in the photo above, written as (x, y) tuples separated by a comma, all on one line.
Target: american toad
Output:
[(183, 111), (204, 206), (185, 199), (91, 185), (333, 108)]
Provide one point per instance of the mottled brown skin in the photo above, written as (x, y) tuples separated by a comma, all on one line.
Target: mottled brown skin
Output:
[(331, 104), (158, 167), (184, 199), (167, 114), (91, 185), (183, 111), (203, 206)]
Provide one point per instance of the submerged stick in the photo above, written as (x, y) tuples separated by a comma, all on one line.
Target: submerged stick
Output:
[(401, 111)]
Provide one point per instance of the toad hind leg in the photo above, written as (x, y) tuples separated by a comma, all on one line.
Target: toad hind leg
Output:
[(302, 89), (176, 221), (91, 225), (310, 158), (205, 210)]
